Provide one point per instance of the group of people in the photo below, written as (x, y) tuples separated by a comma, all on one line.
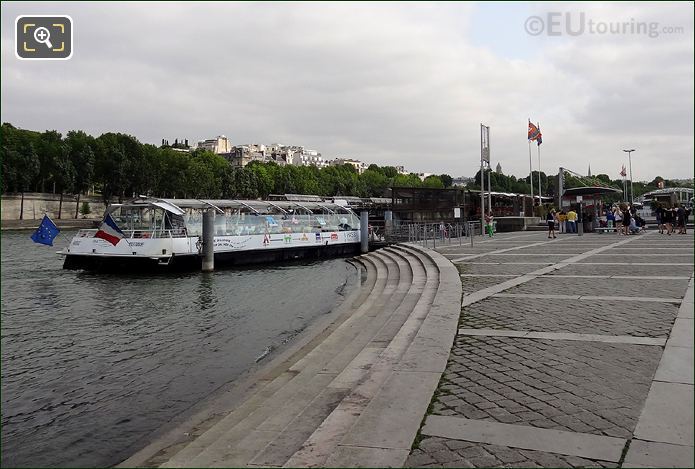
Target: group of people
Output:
[(565, 222), (624, 218), (670, 218)]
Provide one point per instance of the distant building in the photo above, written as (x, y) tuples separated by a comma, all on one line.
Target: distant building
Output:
[(306, 157), (401, 170), (357, 164), (588, 174), (498, 169), (178, 145), (219, 145), (462, 181), (423, 176)]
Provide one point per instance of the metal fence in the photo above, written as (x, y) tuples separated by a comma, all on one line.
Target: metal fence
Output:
[(430, 234)]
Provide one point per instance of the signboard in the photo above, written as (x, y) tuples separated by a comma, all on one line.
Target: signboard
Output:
[(484, 144), (579, 199), (457, 212)]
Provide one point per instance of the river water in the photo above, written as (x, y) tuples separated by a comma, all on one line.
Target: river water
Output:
[(92, 364)]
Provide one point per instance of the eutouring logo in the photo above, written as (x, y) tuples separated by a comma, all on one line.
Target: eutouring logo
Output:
[(556, 23)]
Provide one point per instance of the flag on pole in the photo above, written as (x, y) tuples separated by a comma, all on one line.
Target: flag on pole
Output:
[(539, 138), (109, 231), (533, 132), (46, 232), (623, 173)]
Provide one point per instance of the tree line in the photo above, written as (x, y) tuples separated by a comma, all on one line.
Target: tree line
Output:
[(119, 166)]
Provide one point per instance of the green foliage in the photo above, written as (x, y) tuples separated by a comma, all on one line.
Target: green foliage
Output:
[(85, 209)]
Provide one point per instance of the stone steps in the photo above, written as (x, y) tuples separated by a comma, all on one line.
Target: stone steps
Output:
[(320, 409)]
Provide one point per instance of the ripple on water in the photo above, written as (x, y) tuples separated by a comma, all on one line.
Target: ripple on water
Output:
[(92, 364)]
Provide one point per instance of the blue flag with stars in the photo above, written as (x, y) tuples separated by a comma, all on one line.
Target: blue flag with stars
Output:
[(46, 232)]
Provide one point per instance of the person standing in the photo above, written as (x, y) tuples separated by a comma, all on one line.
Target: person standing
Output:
[(626, 220), (551, 223), (488, 223), (562, 219), (571, 221), (610, 218), (660, 218)]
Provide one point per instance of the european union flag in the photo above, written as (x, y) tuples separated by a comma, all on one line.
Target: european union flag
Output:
[(46, 232)]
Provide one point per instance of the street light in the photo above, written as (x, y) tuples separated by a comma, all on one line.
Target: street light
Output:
[(630, 163)]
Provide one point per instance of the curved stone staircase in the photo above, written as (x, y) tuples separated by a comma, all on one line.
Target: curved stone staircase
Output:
[(356, 395)]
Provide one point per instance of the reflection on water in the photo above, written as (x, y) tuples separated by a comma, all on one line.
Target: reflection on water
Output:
[(93, 363)]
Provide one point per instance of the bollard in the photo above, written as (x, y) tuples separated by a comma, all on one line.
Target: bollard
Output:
[(364, 232), (208, 241)]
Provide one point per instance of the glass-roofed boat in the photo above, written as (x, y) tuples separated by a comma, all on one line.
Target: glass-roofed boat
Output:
[(169, 233)]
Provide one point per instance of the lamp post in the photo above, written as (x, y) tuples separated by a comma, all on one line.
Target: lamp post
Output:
[(629, 159)]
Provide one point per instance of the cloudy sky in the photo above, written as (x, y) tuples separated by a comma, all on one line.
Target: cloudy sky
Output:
[(386, 83)]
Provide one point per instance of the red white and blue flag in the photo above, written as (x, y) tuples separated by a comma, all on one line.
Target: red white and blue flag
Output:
[(109, 231), (534, 133)]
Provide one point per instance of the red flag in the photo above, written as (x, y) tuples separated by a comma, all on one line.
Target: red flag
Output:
[(623, 173)]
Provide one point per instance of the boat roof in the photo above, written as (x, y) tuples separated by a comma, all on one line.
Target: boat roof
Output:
[(178, 206)]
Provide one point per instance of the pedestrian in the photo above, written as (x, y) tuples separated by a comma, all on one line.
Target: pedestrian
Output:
[(562, 218), (686, 215), (610, 218), (660, 218), (626, 220), (488, 223), (667, 219), (571, 221), (680, 219), (551, 223)]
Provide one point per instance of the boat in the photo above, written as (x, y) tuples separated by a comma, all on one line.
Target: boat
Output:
[(168, 234)]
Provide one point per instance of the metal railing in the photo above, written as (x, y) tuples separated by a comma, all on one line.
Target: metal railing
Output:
[(430, 234)]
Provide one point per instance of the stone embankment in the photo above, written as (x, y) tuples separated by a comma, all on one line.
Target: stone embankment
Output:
[(353, 395)]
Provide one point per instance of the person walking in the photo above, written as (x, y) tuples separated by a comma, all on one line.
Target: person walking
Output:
[(667, 219), (551, 223)]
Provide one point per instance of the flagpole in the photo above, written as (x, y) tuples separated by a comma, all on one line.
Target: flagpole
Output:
[(538, 146), (530, 165)]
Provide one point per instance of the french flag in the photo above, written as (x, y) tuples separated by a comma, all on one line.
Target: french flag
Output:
[(109, 231)]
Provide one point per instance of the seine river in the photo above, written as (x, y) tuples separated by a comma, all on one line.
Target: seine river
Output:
[(93, 364)]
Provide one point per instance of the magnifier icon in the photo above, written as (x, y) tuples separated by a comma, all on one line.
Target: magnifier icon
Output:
[(43, 36)]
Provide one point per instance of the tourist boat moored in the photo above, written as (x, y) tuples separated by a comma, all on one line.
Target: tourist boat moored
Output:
[(168, 233)]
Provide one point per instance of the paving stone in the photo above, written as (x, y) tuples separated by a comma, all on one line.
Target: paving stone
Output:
[(597, 378), (636, 270), (591, 286), (582, 316)]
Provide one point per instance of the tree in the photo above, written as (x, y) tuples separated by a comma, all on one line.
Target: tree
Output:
[(80, 147), (447, 180), (433, 182)]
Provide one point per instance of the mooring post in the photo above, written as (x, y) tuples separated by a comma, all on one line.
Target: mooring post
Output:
[(208, 241), (364, 232)]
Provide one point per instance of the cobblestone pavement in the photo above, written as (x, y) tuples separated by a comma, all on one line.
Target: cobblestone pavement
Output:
[(629, 270), (443, 452), (593, 286), (585, 388), (579, 316)]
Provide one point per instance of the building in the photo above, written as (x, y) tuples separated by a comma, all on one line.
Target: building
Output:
[(306, 157), (401, 169), (423, 176), (220, 145), (357, 164), (462, 181), (498, 169)]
